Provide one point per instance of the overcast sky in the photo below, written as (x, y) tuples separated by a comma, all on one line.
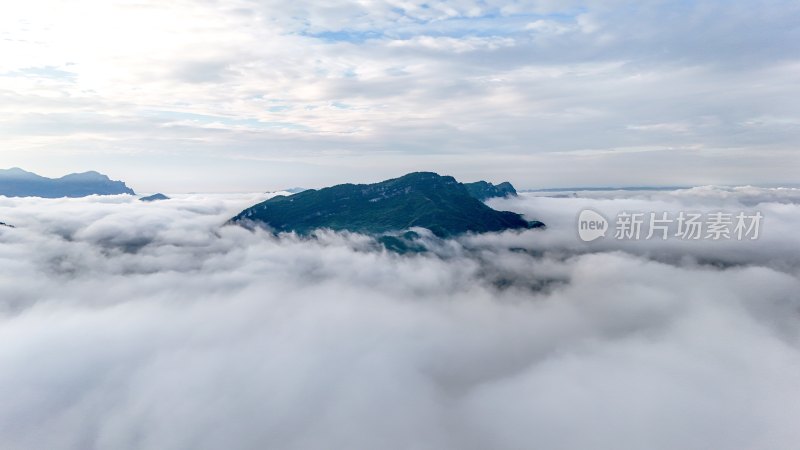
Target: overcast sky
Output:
[(238, 95)]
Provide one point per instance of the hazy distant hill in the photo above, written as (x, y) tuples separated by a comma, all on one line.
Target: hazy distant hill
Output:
[(154, 198), (421, 199), (20, 183)]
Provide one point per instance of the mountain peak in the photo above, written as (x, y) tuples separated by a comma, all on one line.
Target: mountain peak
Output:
[(16, 172), (154, 198), (85, 176), (419, 199), (483, 190)]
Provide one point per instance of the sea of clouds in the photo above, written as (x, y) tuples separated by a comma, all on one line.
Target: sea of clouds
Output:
[(132, 325)]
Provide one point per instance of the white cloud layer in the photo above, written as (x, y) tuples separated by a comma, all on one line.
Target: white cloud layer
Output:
[(147, 325)]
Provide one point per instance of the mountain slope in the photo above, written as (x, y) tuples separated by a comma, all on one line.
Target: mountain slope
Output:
[(420, 199), (19, 183)]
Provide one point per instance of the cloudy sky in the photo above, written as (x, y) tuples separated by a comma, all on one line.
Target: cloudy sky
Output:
[(238, 95)]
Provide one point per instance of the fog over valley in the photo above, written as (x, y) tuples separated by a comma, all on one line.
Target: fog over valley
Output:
[(136, 325)]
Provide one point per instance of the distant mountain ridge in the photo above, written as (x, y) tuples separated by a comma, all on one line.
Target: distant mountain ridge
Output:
[(16, 182), (483, 190), (420, 199)]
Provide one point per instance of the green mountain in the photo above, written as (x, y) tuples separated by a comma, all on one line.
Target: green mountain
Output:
[(483, 190), (421, 199)]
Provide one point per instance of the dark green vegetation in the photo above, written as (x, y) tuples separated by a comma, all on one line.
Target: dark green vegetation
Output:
[(19, 183), (408, 242), (154, 198), (483, 190), (421, 199)]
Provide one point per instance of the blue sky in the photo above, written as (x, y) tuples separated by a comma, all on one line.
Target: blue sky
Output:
[(239, 95)]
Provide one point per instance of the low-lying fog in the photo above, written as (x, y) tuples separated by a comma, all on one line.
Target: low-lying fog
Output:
[(132, 325)]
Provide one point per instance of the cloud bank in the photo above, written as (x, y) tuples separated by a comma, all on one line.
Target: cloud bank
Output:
[(150, 326)]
